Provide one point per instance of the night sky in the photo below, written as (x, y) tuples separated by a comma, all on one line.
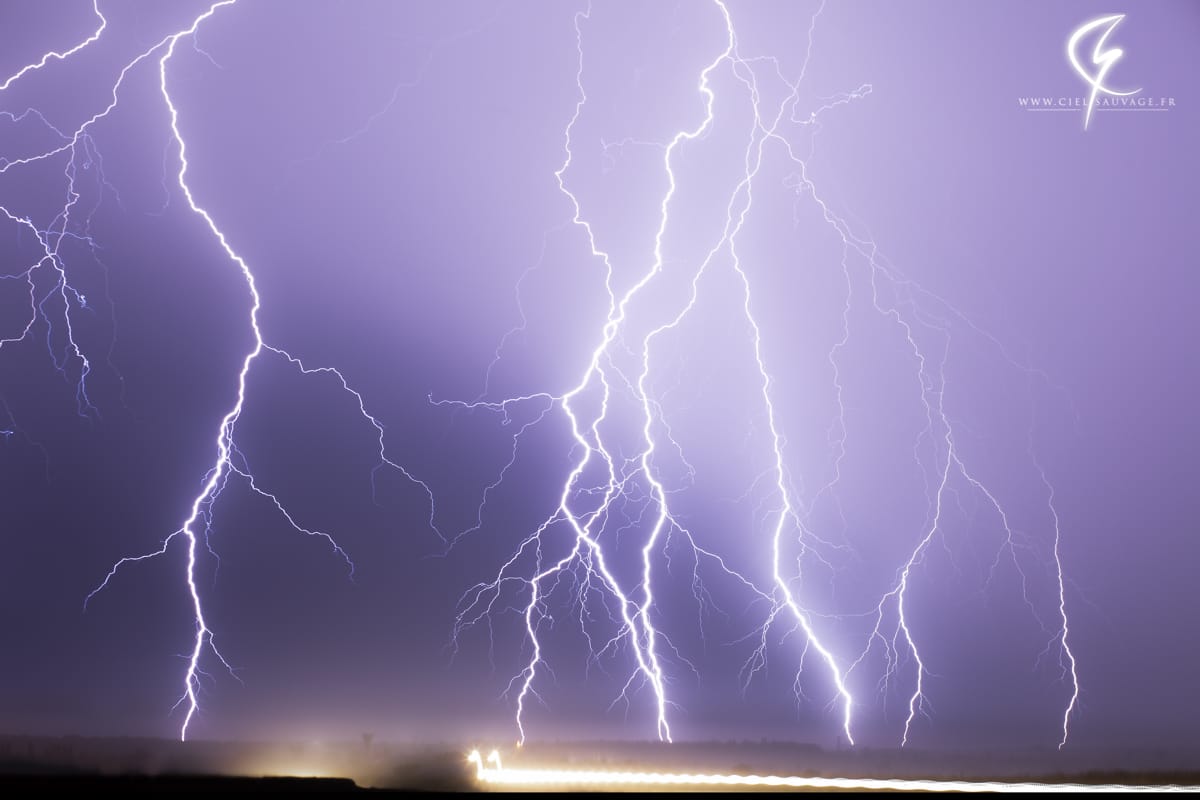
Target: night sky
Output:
[(961, 304)]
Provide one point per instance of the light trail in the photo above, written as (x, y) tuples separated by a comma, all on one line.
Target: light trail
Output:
[(493, 773)]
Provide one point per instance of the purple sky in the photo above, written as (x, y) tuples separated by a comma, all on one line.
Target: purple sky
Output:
[(388, 173)]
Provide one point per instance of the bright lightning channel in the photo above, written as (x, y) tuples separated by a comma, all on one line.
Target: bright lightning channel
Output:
[(635, 626), (229, 459), (634, 606)]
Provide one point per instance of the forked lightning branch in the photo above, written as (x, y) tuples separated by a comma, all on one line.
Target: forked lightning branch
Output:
[(773, 118)]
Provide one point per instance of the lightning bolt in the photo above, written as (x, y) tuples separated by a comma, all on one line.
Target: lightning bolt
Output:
[(636, 627), (607, 493), (592, 509), (57, 56), (79, 151)]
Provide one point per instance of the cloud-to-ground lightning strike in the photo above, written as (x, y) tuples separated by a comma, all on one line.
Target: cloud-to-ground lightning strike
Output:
[(79, 145), (618, 616), (491, 770), (590, 509)]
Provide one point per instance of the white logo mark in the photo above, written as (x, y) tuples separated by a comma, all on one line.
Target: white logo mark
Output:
[(1104, 59)]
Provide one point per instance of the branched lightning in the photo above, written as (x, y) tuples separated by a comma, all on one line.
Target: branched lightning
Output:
[(595, 509), (636, 628), (78, 149), (607, 494)]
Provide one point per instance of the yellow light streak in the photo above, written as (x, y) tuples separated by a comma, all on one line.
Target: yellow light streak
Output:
[(491, 771)]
